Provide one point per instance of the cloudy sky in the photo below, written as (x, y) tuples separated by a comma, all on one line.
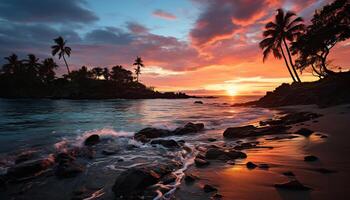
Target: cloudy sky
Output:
[(198, 46)]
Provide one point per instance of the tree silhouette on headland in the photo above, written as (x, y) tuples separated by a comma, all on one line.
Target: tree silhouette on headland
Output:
[(13, 64), (329, 26), (138, 63), (61, 48), (285, 27)]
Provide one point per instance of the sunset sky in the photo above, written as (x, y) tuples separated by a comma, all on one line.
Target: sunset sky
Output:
[(198, 46)]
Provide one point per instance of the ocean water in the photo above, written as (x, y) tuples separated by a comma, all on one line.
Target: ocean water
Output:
[(51, 126)]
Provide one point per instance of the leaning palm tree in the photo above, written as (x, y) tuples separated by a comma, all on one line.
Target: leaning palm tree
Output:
[(61, 48), (139, 63), (285, 27)]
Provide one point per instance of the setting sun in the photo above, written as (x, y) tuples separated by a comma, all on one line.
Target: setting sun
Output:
[(231, 90)]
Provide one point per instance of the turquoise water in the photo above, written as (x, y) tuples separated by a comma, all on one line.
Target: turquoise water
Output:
[(48, 127), (38, 123)]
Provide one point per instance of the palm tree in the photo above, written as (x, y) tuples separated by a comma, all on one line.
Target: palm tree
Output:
[(105, 73), (285, 27), (97, 72), (61, 48), (13, 64), (139, 64), (46, 70), (32, 65)]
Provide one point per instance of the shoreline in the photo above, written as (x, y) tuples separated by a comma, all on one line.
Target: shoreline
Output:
[(237, 181)]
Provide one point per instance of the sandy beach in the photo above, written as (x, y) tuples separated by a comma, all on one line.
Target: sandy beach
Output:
[(328, 176)]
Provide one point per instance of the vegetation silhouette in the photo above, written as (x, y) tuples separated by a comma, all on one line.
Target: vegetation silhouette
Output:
[(30, 78), (138, 63), (329, 26), (286, 26), (61, 48)]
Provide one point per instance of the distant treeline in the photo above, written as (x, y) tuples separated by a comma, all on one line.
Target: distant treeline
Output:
[(31, 78)]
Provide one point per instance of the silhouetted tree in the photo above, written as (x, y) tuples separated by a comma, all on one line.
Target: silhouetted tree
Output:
[(286, 27), (121, 75), (138, 63), (329, 26), (46, 70), (13, 64), (62, 50), (105, 73), (79, 75), (32, 65), (97, 72)]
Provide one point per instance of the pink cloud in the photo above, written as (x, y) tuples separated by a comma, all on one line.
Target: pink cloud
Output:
[(164, 15)]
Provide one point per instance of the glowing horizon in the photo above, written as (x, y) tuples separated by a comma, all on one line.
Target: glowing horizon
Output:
[(199, 47)]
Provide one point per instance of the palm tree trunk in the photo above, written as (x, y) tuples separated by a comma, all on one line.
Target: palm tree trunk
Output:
[(285, 60), (66, 64), (290, 60)]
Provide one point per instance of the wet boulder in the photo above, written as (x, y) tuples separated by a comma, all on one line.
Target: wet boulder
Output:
[(215, 153), (69, 169), (239, 132), (64, 157), (92, 140), (30, 168), (310, 158), (304, 132), (170, 178), (166, 143), (198, 102), (189, 128), (251, 165), (209, 188), (150, 133), (190, 178), (134, 181), (199, 162), (292, 185)]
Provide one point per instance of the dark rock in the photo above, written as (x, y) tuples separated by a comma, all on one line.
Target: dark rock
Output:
[(252, 131), (150, 133), (166, 143), (134, 181), (189, 178), (310, 158), (216, 196), (251, 165), (214, 153), (170, 178), (292, 185), (304, 131), (323, 136), (239, 132), (211, 139), (235, 155), (92, 140), (201, 162), (246, 145), (198, 102), (69, 169), (263, 166), (64, 157), (288, 173), (189, 128), (29, 168), (208, 188)]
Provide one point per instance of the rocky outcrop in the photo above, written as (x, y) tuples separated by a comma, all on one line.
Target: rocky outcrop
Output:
[(292, 185), (146, 134), (304, 132), (92, 140), (252, 131), (166, 143), (29, 168)]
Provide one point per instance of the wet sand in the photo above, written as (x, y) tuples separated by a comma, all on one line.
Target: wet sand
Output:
[(238, 182)]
